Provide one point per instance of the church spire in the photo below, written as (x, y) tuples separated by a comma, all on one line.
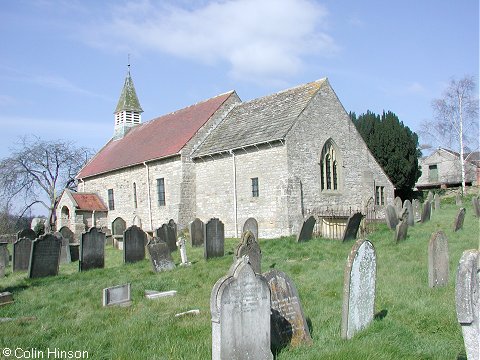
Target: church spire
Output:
[(128, 110)]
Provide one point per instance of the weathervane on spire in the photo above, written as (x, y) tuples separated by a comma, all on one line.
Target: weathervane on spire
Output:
[(128, 62)]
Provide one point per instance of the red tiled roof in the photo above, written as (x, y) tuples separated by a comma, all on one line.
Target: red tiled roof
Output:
[(155, 139), (89, 202)]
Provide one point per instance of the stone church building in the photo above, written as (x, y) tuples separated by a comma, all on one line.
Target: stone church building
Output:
[(277, 158)]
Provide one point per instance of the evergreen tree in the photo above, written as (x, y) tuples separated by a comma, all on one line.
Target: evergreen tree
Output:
[(393, 145)]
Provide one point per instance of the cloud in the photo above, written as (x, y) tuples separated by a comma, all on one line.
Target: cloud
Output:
[(416, 88), (267, 39)]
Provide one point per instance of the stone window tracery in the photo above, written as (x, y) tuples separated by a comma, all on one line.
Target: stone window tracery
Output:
[(330, 167)]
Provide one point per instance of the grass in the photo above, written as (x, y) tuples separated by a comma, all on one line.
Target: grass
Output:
[(420, 322)]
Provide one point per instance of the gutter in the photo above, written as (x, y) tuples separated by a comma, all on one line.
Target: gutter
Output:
[(235, 210)]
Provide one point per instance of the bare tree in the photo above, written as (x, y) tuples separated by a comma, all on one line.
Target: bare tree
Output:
[(455, 121), (37, 171)]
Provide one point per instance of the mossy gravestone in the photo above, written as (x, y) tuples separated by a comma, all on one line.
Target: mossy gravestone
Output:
[(160, 255), (92, 250), (240, 309), (467, 299), (288, 324), (45, 256), (251, 224), (438, 260), (359, 288), (134, 240), (250, 247)]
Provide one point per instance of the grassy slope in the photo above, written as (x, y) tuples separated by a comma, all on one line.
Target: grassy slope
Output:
[(420, 322)]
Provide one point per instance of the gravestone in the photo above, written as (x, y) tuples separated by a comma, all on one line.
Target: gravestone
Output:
[(359, 288), (351, 230), (172, 235), (288, 324), (197, 232), (401, 229), (411, 215), (21, 254), (417, 210), (458, 199), (160, 255), (167, 234), (214, 239), (74, 252), (436, 201), (250, 247), (117, 295), (438, 260), (92, 250), (391, 217), (476, 206), (426, 212), (306, 231), (45, 256), (458, 224), (68, 234), (467, 299), (397, 204), (182, 246), (134, 240), (27, 233), (251, 224), (240, 309), (118, 228), (430, 196), (4, 257), (65, 257)]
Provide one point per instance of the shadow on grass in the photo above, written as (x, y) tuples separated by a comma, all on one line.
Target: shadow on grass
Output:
[(380, 315)]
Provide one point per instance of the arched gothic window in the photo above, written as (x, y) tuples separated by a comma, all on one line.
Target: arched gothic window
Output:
[(330, 167)]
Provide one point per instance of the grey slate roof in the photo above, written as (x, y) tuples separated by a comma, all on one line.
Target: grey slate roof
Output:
[(260, 120)]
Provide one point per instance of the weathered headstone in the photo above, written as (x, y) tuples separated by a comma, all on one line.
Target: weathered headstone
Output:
[(182, 247), (458, 223), (68, 234), (417, 210), (65, 257), (397, 204), (251, 224), (160, 255), (166, 233), (458, 199), (359, 288), (467, 299), (27, 233), (92, 250), (117, 295), (4, 257), (74, 252), (430, 196), (426, 212), (45, 256), (21, 254), (240, 309), (476, 206), (353, 223), (197, 232), (6, 298), (134, 240), (118, 228), (401, 229), (438, 260), (306, 231), (391, 217), (436, 201), (411, 215), (250, 247), (288, 324), (172, 235), (214, 239)]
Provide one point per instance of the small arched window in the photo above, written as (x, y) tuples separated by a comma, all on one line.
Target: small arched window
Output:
[(330, 167), (135, 204)]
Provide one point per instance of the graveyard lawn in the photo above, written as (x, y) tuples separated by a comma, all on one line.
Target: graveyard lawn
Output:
[(413, 320)]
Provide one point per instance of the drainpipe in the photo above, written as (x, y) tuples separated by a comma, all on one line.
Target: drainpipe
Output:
[(93, 218), (148, 195), (235, 214)]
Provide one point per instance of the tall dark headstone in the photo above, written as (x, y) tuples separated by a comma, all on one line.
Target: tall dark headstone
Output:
[(4, 258), (391, 216), (240, 308), (458, 223), (214, 239), (134, 240), (197, 232), (251, 225), (411, 215), (68, 234), (353, 223), (438, 260), (250, 247), (27, 233), (45, 256), (65, 256), (172, 235), (306, 231), (160, 255), (21, 254), (401, 230), (426, 212), (288, 324), (167, 233), (92, 250)]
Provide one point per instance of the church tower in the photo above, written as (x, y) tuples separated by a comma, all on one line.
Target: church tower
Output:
[(128, 111)]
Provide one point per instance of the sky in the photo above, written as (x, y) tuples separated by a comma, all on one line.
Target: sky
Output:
[(63, 62)]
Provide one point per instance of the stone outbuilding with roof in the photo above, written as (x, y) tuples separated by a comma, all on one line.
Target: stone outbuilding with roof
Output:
[(277, 158)]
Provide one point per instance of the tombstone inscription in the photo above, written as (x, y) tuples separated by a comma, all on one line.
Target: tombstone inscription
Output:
[(160, 255), (214, 239), (117, 295), (134, 240), (21, 254), (92, 250), (438, 260), (197, 232), (45, 256)]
